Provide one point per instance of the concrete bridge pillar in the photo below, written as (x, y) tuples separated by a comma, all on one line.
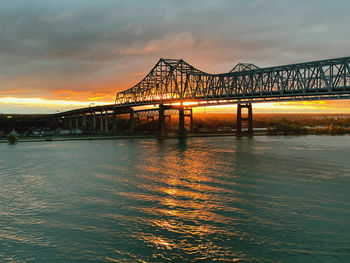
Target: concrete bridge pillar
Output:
[(114, 117), (48, 122), (106, 122), (131, 123), (191, 120), (54, 123), (161, 121), (77, 122), (239, 120), (70, 123), (59, 122), (101, 122), (93, 121), (248, 120), (149, 122), (182, 131), (250, 117), (84, 121)]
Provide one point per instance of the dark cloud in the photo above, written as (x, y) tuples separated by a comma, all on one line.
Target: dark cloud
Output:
[(94, 45)]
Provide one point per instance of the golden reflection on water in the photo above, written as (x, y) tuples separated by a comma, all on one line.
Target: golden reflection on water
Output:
[(188, 201)]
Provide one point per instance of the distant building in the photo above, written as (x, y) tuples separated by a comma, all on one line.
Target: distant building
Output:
[(203, 130), (36, 133), (47, 133), (77, 131), (69, 132), (225, 129), (259, 129)]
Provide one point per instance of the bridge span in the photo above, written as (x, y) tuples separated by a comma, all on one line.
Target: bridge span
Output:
[(175, 86)]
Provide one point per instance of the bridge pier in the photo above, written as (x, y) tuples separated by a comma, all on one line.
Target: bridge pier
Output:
[(114, 117), (84, 122), (101, 121), (131, 123), (190, 115), (77, 122), (106, 122), (70, 123), (149, 123), (182, 131), (93, 115), (50, 122), (161, 120), (56, 123), (248, 120)]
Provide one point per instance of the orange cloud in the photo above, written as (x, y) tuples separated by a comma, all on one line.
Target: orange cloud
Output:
[(84, 95)]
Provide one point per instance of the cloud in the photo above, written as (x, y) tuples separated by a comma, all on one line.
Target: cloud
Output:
[(167, 42), (93, 49)]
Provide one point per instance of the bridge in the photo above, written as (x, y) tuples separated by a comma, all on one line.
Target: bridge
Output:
[(174, 85)]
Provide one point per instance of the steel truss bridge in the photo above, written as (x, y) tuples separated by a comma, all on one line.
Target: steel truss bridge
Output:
[(175, 84), (175, 80)]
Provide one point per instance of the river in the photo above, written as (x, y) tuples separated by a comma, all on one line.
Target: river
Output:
[(221, 199)]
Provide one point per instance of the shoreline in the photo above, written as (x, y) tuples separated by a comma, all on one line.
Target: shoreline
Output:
[(120, 137), (117, 137), (109, 137)]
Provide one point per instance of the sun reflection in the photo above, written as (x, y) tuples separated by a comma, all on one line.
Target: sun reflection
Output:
[(170, 191), (181, 193), (186, 204), (162, 243)]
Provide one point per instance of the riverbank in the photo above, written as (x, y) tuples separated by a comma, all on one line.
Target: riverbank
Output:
[(115, 137), (148, 136), (75, 138)]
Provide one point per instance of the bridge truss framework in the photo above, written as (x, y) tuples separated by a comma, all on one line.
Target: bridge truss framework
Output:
[(175, 80)]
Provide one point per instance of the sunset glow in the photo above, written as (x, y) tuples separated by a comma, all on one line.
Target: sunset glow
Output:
[(41, 105), (47, 66)]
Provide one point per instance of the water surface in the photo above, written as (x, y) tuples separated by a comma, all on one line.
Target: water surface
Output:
[(223, 199)]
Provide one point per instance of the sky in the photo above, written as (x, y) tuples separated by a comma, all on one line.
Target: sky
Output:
[(60, 55)]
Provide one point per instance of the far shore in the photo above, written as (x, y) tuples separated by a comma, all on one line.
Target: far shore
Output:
[(106, 137), (147, 136)]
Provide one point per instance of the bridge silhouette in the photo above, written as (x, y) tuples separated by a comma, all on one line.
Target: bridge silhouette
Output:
[(176, 86)]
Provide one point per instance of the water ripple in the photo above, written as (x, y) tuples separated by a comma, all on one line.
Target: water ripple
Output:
[(264, 199)]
